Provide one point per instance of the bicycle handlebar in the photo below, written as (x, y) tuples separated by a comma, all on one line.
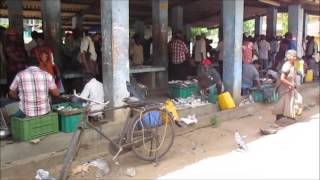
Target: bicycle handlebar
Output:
[(90, 100)]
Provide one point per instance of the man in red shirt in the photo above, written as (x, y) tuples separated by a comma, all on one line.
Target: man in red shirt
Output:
[(247, 51), (179, 54)]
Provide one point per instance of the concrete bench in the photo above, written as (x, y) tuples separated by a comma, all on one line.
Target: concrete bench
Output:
[(154, 70)]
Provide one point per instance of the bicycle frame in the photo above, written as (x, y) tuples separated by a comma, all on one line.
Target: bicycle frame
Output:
[(123, 134)]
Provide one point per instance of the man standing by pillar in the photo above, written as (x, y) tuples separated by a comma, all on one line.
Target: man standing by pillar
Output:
[(200, 49), (179, 56), (264, 52)]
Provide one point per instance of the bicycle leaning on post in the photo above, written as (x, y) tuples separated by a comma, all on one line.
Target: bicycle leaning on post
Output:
[(149, 133)]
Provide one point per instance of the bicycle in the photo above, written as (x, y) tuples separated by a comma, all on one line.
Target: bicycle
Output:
[(143, 138)]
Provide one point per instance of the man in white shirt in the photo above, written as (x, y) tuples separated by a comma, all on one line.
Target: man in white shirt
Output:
[(274, 45), (89, 62), (200, 49), (264, 51), (93, 90)]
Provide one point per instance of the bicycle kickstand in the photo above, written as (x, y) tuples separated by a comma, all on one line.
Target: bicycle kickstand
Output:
[(156, 162), (118, 153)]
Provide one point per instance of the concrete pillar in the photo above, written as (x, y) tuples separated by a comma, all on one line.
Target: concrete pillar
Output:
[(115, 49), (160, 38), (51, 20), (272, 21), (305, 24), (176, 18), (258, 25), (232, 51), (187, 32), (15, 8), (221, 24), (77, 21), (295, 25), (139, 28)]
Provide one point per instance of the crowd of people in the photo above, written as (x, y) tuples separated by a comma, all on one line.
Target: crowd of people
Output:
[(273, 58), (261, 56), (32, 74)]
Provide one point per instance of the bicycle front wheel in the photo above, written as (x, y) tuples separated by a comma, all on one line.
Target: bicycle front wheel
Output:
[(152, 134), (72, 151)]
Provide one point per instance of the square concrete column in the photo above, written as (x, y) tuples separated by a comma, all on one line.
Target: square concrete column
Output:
[(77, 21), (187, 32), (176, 18), (295, 25), (51, 20), (232, 51), (15, 15), (160, 39), (258, 25), (272, 21), (305, 24), (115, 49), (221, 24), (139, 28)]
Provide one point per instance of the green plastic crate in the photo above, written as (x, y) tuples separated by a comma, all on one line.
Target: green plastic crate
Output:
[(34, 127), (257, 96), (182, 92), (274, 98), (68, 122)]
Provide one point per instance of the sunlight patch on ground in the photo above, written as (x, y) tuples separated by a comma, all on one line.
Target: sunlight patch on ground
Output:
[(292, 153)]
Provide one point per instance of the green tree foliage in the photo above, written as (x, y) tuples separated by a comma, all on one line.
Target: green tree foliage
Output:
[(200, 30), (248, 27), (283, 21)]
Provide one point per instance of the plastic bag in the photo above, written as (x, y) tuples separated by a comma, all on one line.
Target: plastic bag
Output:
[(43, 175), (102, 165)]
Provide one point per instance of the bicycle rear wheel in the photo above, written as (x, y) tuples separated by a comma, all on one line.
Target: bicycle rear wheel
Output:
[(72, 151), (151, 140)]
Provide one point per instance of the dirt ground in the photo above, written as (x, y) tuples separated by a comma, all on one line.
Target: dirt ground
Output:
[(197, 145)]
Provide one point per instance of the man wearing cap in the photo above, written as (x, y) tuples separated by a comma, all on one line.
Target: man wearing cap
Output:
[(209, 76), (15, 54)]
